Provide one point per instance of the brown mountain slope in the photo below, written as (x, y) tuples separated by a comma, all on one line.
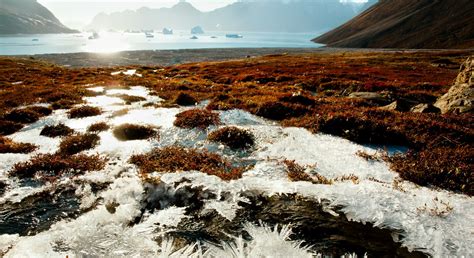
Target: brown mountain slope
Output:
[(28, 17), (408, 24)]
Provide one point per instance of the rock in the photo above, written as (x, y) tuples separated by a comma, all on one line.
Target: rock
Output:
[(370, 96), (460, 97), (392, 106), (425, 108)]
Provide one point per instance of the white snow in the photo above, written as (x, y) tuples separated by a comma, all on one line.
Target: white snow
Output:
[(435, 221), (130, 72)]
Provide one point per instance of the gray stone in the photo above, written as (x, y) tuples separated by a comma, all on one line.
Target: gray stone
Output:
[(460, 97), (371, 96)]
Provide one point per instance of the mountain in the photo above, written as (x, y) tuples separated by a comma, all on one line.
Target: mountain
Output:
[(288, 16), (28, 17), (408, 24)]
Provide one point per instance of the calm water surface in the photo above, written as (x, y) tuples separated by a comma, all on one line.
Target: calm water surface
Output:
[(116, 41)]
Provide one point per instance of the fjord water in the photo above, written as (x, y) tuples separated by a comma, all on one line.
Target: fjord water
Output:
[(117, 41)]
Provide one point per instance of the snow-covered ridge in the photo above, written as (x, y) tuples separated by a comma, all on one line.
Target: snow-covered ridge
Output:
[(434, 221)]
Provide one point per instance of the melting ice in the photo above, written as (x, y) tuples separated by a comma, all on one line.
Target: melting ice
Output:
[(380, 197)]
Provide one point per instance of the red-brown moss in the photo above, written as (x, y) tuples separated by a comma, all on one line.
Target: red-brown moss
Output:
[(84, 111), (254, 83), (174, 159), (9, 146), (446, 167), (98, 127), (42, 111), (56, 130), (129, 99), (185, 99), (9, 127), (76, 143), (197, 118), (24, 116), (130, 132), (233, 137), (297, 173), (50, 166), (280, 110)]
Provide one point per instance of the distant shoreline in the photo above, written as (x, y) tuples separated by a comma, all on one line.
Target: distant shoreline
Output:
[(173, 57)]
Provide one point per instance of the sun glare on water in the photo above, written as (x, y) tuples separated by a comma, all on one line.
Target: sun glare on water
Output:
[(106, 43)]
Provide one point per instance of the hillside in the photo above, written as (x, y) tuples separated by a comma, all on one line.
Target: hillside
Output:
[(408, 24), (28, 17), (296, 16)]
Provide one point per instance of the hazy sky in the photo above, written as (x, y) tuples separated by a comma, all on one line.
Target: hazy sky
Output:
[(78, 13)]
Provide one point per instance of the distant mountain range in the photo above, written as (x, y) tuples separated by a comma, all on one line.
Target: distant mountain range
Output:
[(408, 24), (28, 17), (271, 16)]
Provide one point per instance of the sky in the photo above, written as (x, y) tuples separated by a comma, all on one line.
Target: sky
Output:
[(78, 13)]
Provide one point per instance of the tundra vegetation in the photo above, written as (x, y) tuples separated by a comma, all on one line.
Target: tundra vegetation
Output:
[(233, 137), (130, 132), (175, 158), (364, 97), (56, 130)]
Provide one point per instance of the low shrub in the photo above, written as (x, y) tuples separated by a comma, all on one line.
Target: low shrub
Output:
[(129, 99), (197, 118), (279, 111), (377, 156), (9, 127), (56, 130), (130, 132), (98, 127), (297, 173), (54, 165), (43, 111), (24, 116), (173, 159), (77, 143), (298, 99), (360, 129), (63, 104), (233, 137), (185, 99), (446, 167), (9, 146), (84, 111)]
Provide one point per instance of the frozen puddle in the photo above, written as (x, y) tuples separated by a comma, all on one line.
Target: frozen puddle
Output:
[(114, 213)]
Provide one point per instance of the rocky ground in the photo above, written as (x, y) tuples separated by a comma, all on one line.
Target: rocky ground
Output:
[(245, 130)]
